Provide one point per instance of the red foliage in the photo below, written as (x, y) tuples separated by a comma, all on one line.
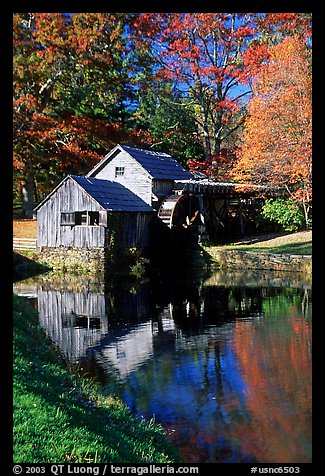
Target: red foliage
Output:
[(202, 53), (216, 167), (205, 54), (287, 24), (270, 415), (57, 55)]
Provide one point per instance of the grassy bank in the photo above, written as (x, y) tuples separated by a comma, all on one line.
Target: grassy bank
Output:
[(282, 252), (60, 417), (294, 243)]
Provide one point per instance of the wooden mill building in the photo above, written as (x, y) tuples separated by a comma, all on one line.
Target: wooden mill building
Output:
[(125, 186), (80, 210), (131, 186), (150, 175)]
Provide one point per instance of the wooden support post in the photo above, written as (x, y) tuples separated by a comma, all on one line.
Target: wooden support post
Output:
[(202, 229), (201, 207)]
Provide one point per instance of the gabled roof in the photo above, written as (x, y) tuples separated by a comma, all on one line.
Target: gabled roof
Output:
[(158, 164), (111, 196)]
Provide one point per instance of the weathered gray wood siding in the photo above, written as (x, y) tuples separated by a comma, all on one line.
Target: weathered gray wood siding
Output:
[(76, 321), (135, 178), (132, 228), (162, 187), (69, 197)]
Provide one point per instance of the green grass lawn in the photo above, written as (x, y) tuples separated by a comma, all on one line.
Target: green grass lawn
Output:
[(60, 417), (294, 243)]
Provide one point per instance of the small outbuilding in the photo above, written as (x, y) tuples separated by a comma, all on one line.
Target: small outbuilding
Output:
[(82, 212), (117, 202)]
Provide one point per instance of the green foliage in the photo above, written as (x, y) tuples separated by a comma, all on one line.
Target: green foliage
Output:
[(284, 212), (83, 82), (170, 120), (59, 419), (138, 264), (124, 263)]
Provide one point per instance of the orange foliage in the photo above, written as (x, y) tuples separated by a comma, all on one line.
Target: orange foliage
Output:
[(287, 356), (58, 56), (277, 143)]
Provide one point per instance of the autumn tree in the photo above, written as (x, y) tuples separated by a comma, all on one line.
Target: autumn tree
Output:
[(276, 148), (73, 81), (275, 27), (178, 82), (203, 54)]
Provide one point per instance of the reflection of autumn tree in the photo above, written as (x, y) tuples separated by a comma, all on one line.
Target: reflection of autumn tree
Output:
[(230, 374), (275, 360)]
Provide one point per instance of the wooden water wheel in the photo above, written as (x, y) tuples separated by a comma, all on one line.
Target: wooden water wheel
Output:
[(179, 211)]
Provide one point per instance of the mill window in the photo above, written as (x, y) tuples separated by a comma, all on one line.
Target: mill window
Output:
[(68, 218), (84, 218), (119, 171)]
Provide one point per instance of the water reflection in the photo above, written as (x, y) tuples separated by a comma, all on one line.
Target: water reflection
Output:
[(225, 367)]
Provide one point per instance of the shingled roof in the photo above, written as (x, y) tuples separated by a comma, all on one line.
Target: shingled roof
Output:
[(112, 196), (158, 164)]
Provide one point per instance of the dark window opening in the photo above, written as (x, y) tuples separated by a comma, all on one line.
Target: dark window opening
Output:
[(87, 218), (93, 218), (68, 218), (119, 171), (81, 218), (84, 218)]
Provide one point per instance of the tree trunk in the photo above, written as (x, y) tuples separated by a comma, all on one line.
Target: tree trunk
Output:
[(205, 129), (207, 144), (306, 208), (217, 146), (28, 191), (204, 121)]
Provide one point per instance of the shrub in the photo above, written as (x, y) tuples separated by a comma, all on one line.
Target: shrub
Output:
[(285, 212)]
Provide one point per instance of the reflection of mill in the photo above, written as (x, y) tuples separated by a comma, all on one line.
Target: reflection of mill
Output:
[(115, 328), (202, 359), (122, 328), (75, 321)]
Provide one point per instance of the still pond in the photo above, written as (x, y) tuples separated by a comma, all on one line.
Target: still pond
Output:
[(223, 364)]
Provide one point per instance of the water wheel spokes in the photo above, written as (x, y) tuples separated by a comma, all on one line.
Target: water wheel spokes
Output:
[(179, 210)]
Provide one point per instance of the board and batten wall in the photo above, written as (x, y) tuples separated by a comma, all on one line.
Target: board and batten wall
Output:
[(135, 178), (161, 189), (78, 320), (132, 228), (69, 197)]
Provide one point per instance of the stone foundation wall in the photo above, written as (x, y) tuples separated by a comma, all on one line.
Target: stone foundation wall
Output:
[(250, 260), (94, 260), (75, 260)]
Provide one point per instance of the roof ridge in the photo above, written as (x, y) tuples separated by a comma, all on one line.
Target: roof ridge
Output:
[(151, 152), (94, 178), (159, 165)]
